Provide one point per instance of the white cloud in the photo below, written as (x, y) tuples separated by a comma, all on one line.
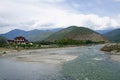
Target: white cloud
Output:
[(40, 14)]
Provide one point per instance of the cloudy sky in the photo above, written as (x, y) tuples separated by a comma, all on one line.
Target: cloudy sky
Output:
[(47, 14)]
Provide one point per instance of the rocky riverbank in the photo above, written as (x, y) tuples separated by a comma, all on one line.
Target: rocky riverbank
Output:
[(113, 50)]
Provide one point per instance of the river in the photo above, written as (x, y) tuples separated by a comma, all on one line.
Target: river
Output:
[(91, 64)]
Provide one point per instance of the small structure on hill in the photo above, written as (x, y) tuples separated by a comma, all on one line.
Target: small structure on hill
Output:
[(18, 40)]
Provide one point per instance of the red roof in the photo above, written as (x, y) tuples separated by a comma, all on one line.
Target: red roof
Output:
[(20, 37)]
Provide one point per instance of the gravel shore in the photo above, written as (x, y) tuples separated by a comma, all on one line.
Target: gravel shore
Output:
[(53, 56)]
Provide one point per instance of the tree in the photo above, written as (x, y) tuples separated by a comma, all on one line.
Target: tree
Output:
[(3, 42)]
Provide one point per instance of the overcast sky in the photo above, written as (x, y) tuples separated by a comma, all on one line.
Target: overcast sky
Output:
[(48, 14)]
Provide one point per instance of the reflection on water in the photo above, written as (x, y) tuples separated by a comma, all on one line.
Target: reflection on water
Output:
[(90, 65)]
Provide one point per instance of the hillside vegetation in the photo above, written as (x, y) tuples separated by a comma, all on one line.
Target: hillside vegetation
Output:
[(76, 33)]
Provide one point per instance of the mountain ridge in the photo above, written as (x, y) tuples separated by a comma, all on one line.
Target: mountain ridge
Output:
[(40, 35), (32, 35), (76, 33)]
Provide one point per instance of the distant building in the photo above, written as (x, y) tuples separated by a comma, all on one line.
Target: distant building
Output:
[(18, 40)]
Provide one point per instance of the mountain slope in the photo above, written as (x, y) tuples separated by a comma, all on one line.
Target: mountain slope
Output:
[(12, 34), (33, 35), (76, 33), (113, 35), (38, 35)]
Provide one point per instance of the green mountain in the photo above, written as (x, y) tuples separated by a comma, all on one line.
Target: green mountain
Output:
[(113, 35), (76, 33)]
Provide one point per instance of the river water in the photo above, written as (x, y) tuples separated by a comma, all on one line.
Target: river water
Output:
[(91, 64)]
